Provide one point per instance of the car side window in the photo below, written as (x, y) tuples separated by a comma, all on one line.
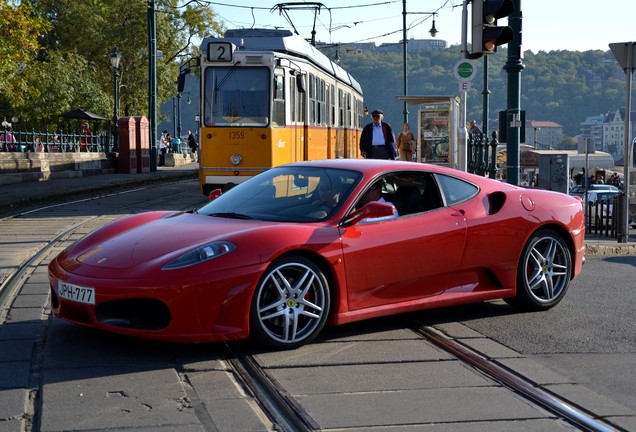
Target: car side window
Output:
[(456, 190), (413, 192)]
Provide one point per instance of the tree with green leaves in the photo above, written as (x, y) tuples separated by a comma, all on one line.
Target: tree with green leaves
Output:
[(19, 43), (73, 70)]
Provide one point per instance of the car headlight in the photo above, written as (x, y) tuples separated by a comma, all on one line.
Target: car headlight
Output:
[(200, 254)]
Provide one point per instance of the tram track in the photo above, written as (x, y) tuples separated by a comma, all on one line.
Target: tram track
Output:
[(288, 414), (577, 417)]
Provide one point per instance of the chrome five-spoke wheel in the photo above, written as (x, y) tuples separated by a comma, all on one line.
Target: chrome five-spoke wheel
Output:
[(544, 272), (291, 303)]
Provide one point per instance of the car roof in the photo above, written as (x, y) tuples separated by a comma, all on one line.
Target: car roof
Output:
[(373, 167)]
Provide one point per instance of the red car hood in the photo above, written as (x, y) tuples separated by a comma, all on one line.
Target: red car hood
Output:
[(162, 237)]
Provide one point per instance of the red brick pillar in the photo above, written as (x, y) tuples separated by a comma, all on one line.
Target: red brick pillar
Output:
[(127, 159), (142, 149)]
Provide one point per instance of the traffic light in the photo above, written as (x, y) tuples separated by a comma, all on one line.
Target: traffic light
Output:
[(486, 36)]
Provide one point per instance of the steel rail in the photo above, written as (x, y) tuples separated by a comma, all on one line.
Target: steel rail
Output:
[(553, 404), (282, 409)]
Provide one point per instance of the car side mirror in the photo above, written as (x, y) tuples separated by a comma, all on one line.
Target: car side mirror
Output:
[(372, 210)]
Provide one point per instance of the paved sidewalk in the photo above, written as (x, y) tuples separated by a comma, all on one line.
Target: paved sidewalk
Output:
[(14, 197)]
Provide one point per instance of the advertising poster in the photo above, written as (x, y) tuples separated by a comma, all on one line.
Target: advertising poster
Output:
[(435, 127)]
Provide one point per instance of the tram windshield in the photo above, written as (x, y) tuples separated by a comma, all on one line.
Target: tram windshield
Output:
[(237, 96)]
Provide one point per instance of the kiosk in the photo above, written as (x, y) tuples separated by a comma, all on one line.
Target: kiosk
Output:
[(441, 135)]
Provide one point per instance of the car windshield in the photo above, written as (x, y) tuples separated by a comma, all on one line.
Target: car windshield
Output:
[(286, 194), (602, 196)]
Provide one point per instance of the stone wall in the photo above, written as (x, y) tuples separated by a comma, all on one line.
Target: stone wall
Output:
[(18, 167)]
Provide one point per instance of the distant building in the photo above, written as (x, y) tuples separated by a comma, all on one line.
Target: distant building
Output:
[(415, 45), (592, 128), (606, 132), (543, 135)]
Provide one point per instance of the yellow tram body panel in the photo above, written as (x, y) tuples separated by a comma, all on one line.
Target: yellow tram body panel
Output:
[(232, 155)]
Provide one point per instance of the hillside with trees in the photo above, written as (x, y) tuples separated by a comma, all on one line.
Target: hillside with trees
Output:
[(560, 86), (56, 58)]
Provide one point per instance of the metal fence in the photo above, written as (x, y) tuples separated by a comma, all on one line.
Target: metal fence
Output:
[(601, 216), (482, 154), (54, 142)]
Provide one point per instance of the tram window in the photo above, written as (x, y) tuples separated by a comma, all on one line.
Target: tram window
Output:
[(293, 98), (332, 105), (321, 103), (312, 99), (340, 108), (278, 106), (237, 96)]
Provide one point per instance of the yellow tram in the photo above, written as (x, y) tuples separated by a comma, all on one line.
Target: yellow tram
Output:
[(268, 98)]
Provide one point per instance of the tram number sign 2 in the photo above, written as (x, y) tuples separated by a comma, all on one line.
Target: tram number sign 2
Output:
[(220, 52)]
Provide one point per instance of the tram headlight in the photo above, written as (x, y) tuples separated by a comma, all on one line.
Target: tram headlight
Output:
[(236, 159)]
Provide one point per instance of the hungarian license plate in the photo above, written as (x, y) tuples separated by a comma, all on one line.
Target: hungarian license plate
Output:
[(76, 293)]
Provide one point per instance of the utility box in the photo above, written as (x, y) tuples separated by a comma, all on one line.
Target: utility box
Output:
[(127, 159), (554, 172), (142, 141)]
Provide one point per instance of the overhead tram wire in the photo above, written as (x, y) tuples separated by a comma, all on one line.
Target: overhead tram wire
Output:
[(330, 10)]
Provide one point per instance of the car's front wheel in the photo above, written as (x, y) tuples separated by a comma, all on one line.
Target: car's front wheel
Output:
[(543, 273), (291, 303)]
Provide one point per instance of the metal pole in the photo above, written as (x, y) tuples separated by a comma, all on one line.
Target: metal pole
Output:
[(623, 235), (179, 115), (152, 83), (115, 112), (174, 117), (485, 100), (514, 66), (405, 111)]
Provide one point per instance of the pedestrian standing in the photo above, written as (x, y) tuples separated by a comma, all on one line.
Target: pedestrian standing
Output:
[(377, 140), (163, 147)]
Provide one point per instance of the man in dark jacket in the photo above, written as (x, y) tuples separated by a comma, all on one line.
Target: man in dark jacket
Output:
[(377, 140)]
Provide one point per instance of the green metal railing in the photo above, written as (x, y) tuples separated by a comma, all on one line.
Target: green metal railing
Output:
[(54, 142)]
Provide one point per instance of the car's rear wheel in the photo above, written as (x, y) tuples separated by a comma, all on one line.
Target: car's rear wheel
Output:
[(543, 273), (291, 303)]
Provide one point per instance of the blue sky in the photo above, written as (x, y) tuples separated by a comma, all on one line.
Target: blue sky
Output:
[(576, 25)]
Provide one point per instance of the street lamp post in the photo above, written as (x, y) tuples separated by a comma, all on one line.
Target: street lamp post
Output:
[(433, 31), (178, 115), (115, 59)]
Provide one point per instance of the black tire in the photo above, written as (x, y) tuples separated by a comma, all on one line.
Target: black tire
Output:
[(290, 305), (543, 272)]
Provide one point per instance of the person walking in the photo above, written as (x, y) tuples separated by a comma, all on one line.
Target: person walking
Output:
[(377, 140), (194, 146), (406, 143)]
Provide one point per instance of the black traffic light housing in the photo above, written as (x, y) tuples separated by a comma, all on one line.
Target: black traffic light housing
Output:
[(486, 35)]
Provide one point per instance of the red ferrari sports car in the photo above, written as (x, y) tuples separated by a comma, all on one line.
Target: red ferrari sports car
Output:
[(302, 245)]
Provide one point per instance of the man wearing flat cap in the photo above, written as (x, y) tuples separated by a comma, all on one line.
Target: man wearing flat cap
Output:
[(377, 140)]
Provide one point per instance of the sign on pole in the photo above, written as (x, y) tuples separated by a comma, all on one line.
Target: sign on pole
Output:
[(465, 70), (624, 53)]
